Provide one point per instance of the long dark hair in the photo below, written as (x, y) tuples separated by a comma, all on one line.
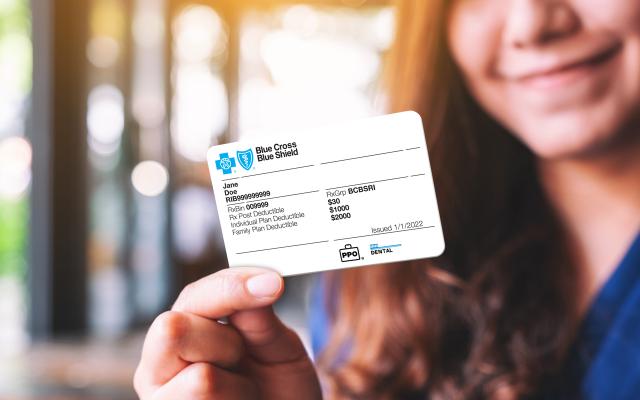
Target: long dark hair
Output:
[(492, 317)]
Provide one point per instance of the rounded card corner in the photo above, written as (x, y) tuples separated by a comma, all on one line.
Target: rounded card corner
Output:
[(441, 250), (414, 114)]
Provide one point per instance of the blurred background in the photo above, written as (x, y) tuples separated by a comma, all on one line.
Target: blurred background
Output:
[(107, 108)]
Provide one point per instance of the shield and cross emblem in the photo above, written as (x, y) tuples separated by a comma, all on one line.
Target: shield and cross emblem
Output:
[(245, 158)]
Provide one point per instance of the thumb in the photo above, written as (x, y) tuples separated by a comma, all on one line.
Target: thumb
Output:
[(267, 339)]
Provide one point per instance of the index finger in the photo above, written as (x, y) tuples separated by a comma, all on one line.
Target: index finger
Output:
[(230, 290)]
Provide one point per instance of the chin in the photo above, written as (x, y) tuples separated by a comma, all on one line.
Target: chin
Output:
[(568, 137)]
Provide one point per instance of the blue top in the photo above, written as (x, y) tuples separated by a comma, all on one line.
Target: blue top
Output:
[(605, 360)]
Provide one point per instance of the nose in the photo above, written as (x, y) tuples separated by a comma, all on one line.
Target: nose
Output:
[(534, 22)]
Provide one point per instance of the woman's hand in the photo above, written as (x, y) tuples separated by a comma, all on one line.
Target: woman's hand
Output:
[(187, 354)]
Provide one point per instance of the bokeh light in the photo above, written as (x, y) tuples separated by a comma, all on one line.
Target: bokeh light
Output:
[(268, 109), (15, 78), (16, 67), (105, 119), (383, 29), (108, 19), (15, 167), (199, 34), (150, 178), (293, 61), (200, 105), (103, 51), (194, 225), (148, 29), (200, 111), (148, 110), (301, 19), (307, 65)]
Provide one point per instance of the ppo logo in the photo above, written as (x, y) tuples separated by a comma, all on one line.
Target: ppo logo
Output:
[(349, 253)]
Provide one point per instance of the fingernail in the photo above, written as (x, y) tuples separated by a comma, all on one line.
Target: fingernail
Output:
[(264, 285)]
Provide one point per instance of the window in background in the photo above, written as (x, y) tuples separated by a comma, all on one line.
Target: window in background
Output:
[(15, 169), (149, 256), (199, 118), (129, 158), (107, 145)]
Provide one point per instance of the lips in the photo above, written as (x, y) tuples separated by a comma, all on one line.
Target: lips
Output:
[(548, 69)]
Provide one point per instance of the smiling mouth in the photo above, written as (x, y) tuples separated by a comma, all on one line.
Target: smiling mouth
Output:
[(563, 74)]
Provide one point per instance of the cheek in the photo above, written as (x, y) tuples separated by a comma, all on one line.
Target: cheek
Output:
[(474, 38), (587, 127), (616, 14)]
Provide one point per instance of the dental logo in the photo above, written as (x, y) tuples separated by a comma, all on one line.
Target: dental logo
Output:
[(225, 163), (245, 158), (375, 248)]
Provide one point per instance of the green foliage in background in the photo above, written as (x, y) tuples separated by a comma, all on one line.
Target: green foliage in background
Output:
[(15, 40), (16, 63), (13, 235)]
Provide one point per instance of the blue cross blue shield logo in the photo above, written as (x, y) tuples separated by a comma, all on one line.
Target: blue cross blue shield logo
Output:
[(225, 163), (245, 158)]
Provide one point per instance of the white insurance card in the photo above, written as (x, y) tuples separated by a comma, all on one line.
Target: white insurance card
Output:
[(340, 196)]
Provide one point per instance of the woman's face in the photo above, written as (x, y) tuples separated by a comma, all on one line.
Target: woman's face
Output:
[(563, 75)]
